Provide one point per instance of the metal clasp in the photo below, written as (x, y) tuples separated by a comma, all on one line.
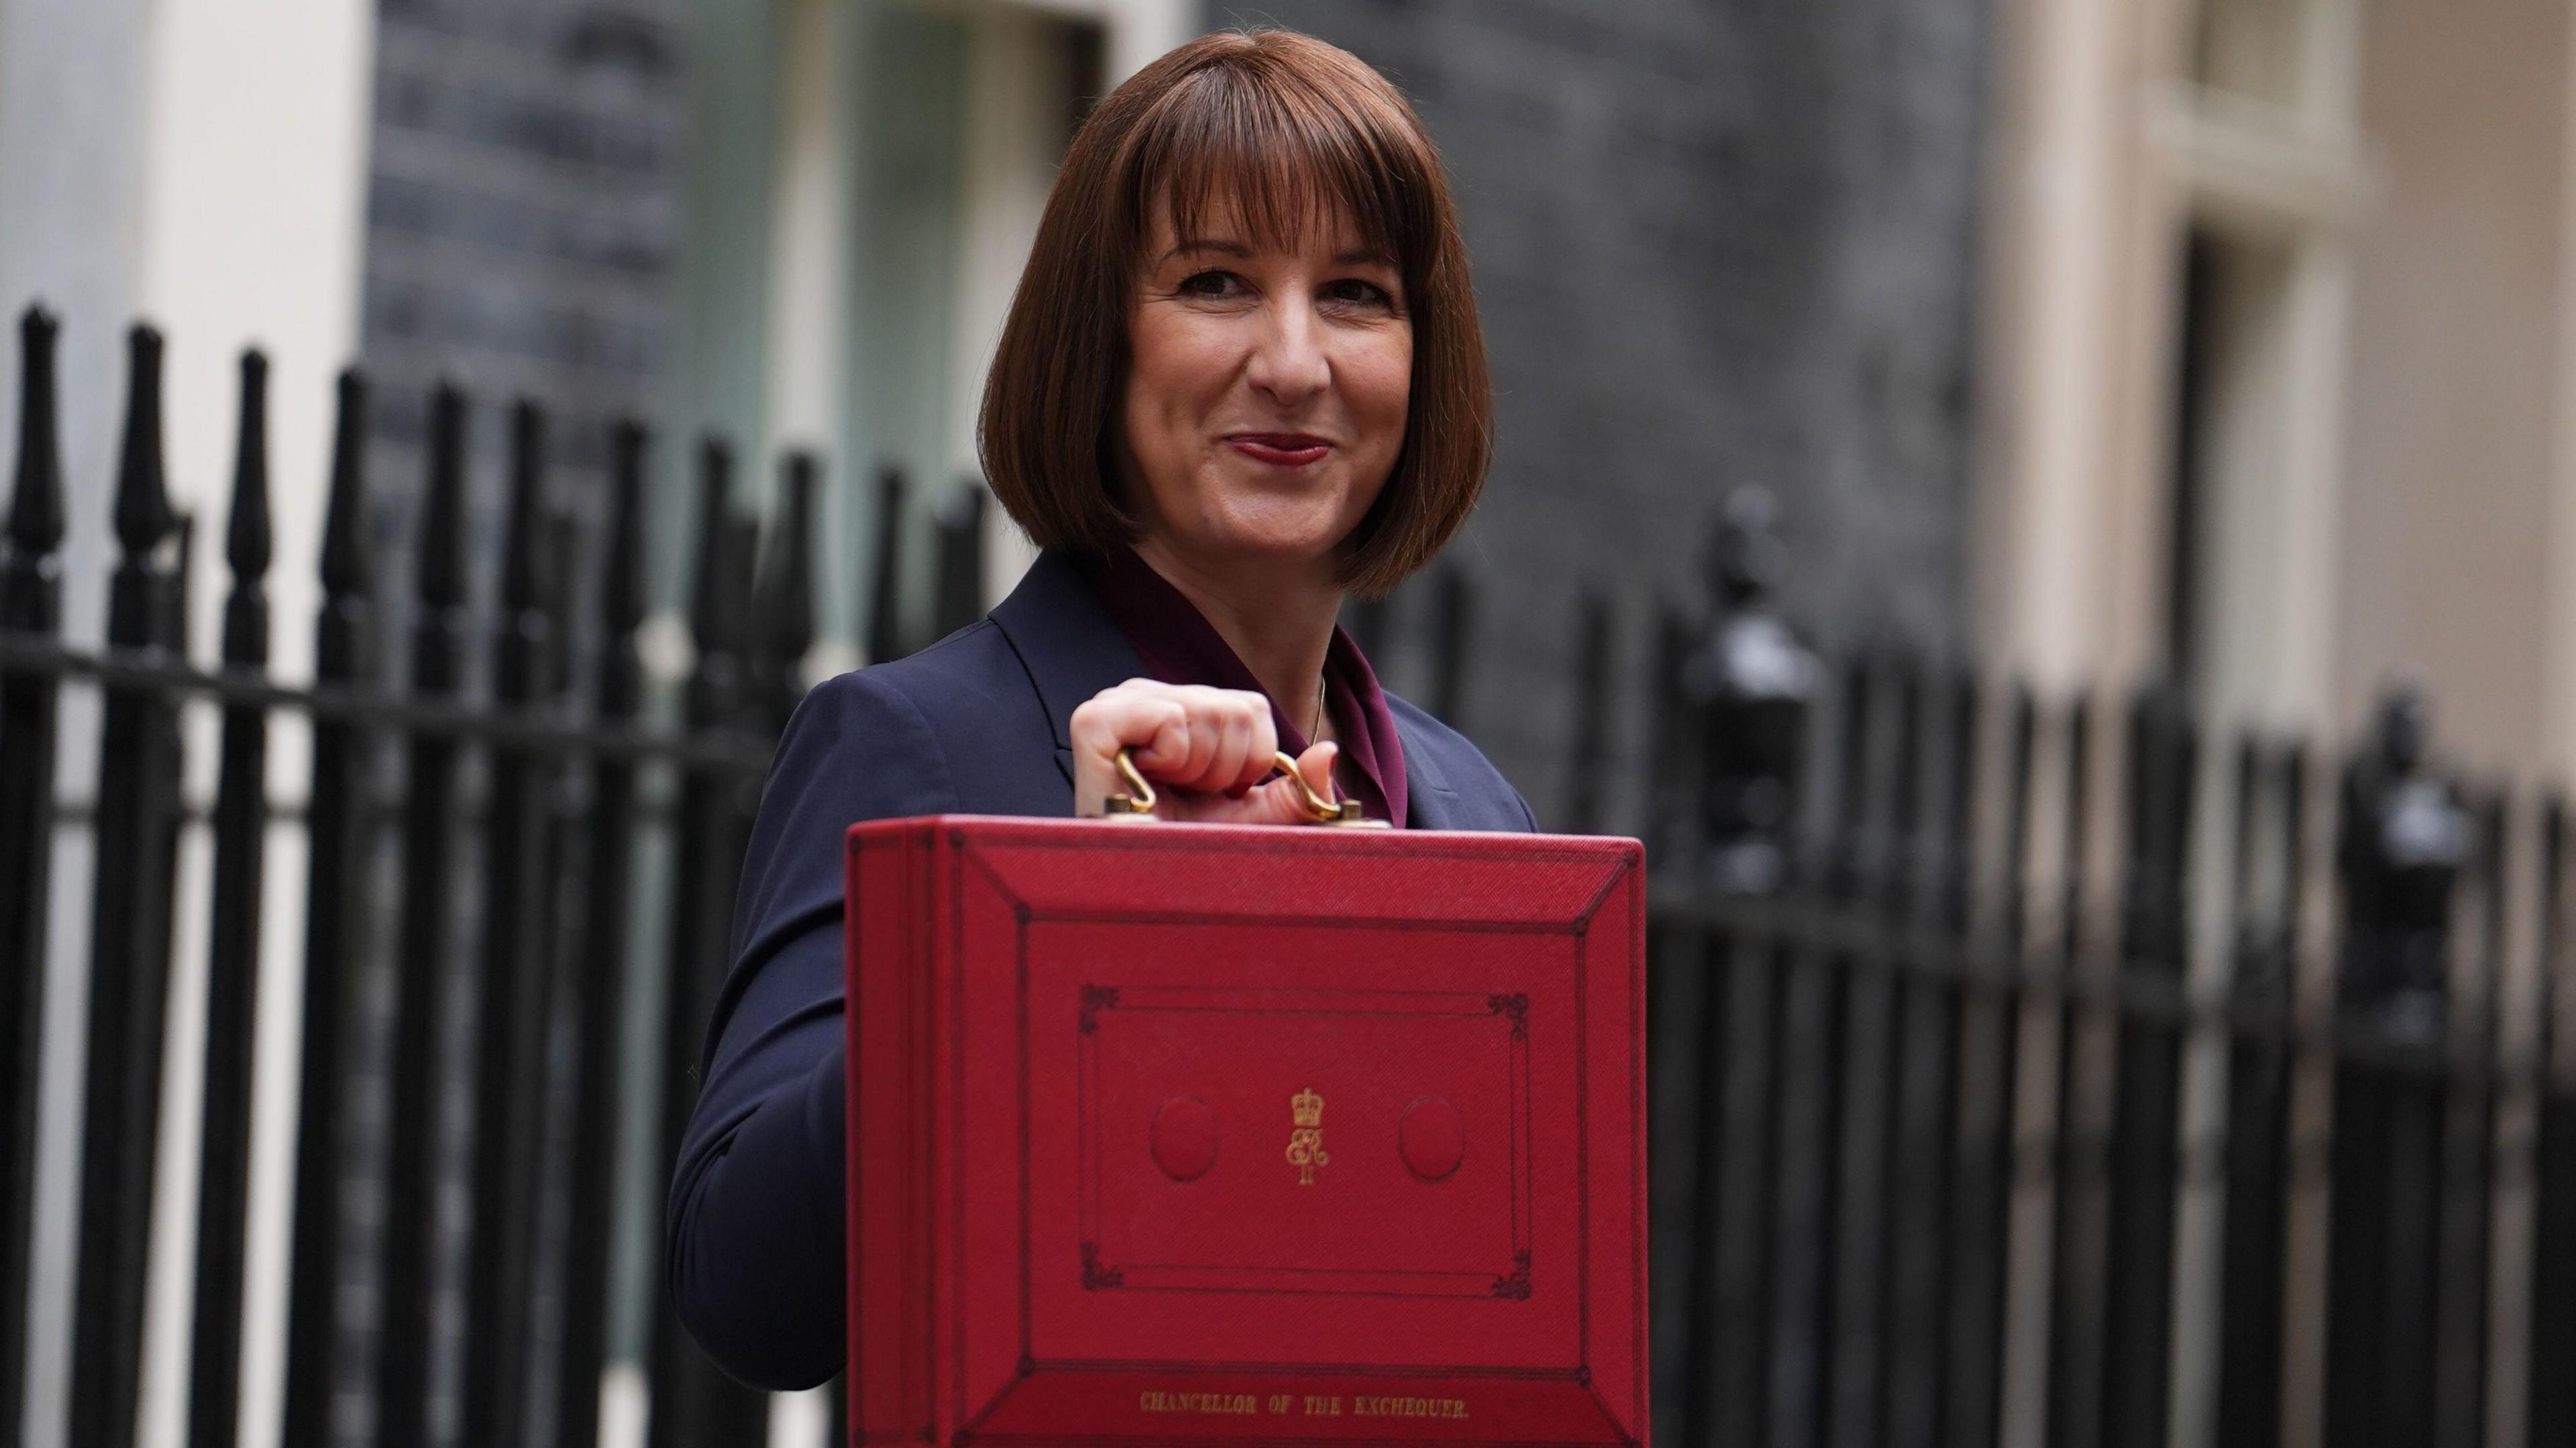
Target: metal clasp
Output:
[(1138, 802)]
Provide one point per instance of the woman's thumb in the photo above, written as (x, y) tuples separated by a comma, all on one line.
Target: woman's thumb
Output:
[(1316, 764)]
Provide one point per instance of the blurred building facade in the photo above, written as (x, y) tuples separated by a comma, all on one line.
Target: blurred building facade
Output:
[(2213, 337), (2278, 368), (1715, 246)]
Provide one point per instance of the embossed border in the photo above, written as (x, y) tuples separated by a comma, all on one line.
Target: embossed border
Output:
[(1509, 1280), (960, 850)]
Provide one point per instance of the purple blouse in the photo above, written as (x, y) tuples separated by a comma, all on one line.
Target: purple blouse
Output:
[(1177, 645)]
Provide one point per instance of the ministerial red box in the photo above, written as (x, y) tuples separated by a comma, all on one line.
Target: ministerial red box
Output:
[(1212, 1134)]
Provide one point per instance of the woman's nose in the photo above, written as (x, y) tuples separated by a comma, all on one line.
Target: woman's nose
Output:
[(1288, 360)]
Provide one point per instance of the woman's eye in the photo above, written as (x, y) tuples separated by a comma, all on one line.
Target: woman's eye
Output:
[(1210, 284), (1353, 291)]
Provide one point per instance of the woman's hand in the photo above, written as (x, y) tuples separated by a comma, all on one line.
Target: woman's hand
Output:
[(1206, 751)]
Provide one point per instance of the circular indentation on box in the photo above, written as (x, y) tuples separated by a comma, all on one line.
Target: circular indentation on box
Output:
[(1184, 1138), (1432, 1138)]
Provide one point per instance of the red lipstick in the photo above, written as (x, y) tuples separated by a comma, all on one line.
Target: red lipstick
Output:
[(1280, 449)]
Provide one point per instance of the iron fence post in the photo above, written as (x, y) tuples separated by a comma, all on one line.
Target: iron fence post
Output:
[(599, 992), (513, 998), (1453, 636), (337, 895), (693, 1402), (2079, 1169), (959, 586), (883, 627), (2403, 844), (405, 1281), (232, 980), (2255, 1232), (782, 611), (1923, 1121), (138, 811), (2146, 1103), (2552, 1410), (1982, 1183), (1587, 772), (30, 607)]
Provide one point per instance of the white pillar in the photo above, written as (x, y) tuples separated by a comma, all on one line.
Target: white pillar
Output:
[(253, 229)]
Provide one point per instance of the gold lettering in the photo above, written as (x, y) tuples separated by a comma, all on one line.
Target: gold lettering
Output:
[(1312, 1405), (1201, 1403), (1373, 1407)]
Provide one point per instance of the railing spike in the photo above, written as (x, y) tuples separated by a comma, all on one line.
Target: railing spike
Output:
[(516, 996), (782, 622), (247, 545), (737, 581), (337, 897), (36, 498), (246, 537), (885, 607), (622, 576), (715, 509), (442, 532), (524, 583), (957, 589), (30, 608), (181, 585), (143, 513), (603, 962), (347, 566)]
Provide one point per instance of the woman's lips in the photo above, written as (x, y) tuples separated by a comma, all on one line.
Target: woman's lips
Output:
[(1280, 449)]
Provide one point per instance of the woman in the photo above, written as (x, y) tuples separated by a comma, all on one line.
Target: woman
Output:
[(1242, 376)]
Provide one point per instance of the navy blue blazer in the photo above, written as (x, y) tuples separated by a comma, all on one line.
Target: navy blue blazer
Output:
[(975, 724)]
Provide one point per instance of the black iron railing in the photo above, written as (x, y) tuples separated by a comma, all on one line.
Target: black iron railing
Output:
[(2022, 1070), (480, 850)]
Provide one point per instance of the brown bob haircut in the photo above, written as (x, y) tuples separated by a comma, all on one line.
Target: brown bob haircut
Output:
[(1284, 131)]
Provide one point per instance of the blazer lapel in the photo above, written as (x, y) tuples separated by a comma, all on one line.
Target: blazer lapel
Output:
[(1066, 642), (1430, 803)]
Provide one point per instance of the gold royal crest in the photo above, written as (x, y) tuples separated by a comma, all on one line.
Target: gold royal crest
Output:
[(1306, 1143)]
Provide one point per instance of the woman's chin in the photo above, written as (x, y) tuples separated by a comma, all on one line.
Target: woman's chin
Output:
[(1262, 547), (1270, 530)]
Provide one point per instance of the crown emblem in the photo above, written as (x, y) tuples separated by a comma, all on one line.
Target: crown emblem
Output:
[(1306, 1143), (1307, 1108)]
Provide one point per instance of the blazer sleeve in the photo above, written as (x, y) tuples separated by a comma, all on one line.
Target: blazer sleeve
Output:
[(754, 1249)]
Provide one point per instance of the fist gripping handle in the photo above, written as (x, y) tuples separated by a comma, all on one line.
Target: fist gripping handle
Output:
[(1137, 804)]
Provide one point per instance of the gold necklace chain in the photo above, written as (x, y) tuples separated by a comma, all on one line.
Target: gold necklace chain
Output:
[(1317, 727)]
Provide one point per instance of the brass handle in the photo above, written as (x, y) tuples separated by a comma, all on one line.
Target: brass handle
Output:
[(1138, 802)]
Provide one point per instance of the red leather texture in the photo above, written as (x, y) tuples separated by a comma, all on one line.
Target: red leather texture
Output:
[(1190, 1134)]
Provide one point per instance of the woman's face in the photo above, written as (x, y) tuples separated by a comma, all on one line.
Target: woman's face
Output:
[(1266, 396)]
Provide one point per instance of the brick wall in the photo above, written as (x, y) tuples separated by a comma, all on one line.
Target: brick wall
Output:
[(1716, 242), (522, 213)]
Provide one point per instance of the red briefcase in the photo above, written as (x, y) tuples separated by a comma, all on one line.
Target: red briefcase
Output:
[(1216, 1134)]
